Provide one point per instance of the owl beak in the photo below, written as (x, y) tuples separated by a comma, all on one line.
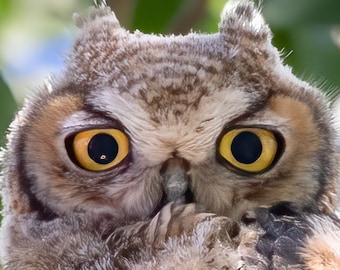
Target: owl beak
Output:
[(175, 179)]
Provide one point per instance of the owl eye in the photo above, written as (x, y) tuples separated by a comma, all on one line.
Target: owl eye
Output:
[(99, 149), (249, 149)]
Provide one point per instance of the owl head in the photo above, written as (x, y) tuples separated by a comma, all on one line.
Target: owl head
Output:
[(136, 120)]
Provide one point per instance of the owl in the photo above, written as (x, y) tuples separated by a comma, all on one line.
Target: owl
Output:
[(197, 151)]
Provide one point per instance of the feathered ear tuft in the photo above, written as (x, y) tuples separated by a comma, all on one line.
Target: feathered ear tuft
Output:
[(100, 3), (242, 20), (96, 16)]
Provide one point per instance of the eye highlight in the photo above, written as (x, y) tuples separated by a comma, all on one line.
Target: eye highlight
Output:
[(99, 149), (249, 149)]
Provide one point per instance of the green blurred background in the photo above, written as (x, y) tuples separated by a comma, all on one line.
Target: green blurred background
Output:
[(34, 34)]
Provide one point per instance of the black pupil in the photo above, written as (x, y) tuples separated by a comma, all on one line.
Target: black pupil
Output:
[(246, 147), (102, 148)]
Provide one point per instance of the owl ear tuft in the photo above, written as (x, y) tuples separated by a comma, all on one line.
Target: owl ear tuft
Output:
[(99, 15), (242, 20)]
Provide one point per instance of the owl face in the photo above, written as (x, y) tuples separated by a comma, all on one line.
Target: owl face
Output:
[(137, 119)]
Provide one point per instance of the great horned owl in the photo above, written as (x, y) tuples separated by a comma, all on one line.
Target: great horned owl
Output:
[(200, 151)]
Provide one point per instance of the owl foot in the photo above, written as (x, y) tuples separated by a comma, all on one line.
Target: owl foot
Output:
[(180, 236), (284, 237)]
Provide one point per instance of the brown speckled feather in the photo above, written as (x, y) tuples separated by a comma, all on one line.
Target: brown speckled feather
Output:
[(198, 151)]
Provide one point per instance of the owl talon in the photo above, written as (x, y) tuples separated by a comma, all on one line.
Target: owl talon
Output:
[(280, 235), (175, 219)]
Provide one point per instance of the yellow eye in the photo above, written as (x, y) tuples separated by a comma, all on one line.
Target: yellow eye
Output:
[(249, 149), (100, 149)]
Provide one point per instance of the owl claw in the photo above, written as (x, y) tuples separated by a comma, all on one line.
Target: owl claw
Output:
[(279, 236), (176, 219)]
